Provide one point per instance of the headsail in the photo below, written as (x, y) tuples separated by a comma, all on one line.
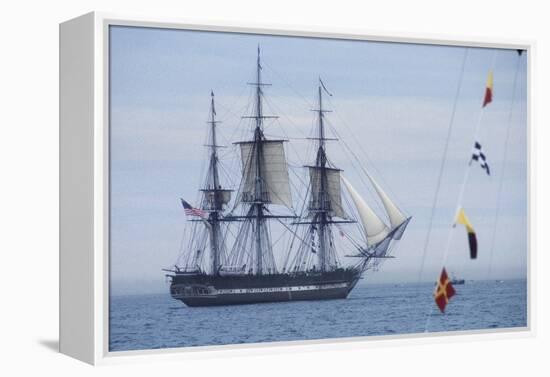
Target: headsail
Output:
[(395, 215), (275, 179), (375, 229)]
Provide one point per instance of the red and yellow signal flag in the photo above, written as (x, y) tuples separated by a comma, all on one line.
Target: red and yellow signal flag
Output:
[(461, 218), (443, 291), (488, 90)]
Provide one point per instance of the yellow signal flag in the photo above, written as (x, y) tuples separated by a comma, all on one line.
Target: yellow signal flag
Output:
[(461, 218)]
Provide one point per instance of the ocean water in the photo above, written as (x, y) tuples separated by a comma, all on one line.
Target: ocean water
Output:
[(140, 322)]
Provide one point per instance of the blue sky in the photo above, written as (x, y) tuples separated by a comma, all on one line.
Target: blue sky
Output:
[(392, 104)]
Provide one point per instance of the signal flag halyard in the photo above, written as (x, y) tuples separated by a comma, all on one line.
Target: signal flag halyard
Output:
[(443, 291)]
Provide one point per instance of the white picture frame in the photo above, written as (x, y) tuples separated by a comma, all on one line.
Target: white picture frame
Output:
[(84, 187)]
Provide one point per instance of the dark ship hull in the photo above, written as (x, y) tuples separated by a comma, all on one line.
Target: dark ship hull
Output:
[(209, 290)]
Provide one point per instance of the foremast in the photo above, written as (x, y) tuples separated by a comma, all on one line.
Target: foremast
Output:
[(323, 205), (326, 203), (325, 210), (322, 216)]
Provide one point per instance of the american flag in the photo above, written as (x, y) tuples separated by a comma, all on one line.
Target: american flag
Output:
[(192, 211)]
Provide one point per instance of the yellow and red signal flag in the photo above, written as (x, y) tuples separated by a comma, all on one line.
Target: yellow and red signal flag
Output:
[(488, 90), (461, 218), (443, 291)]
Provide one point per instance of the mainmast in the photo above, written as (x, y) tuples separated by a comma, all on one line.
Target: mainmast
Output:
[(258, 205), (265, 181)]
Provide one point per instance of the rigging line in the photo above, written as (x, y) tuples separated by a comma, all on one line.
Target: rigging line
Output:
[(287, 227), (227, 109), (245, 110), (293, 171), (504, 158), (349, 238), (272, 106), (304, 255), (240, 246), (460, 194), (301, 194), (239, 126), (227, 170), (230, 232), (288, 84), (230, 150), (301, 215), (180, 250), (190, 255), (202, 246), (182, 255), (367, 157), (292, 146), (296, 152), (442, 166), (357, 166), (238, 251), (228, 178), (298, 196), (354, 216)]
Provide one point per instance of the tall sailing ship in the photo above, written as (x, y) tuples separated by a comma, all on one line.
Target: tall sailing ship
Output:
[(231, 256)]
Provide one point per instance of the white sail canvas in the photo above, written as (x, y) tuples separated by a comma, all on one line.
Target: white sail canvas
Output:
[(375, 229), (275, 180), (332, 195)]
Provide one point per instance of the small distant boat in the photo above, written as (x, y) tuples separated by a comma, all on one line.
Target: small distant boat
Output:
[(456, 281)]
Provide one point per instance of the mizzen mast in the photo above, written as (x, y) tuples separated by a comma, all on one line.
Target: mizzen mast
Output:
[(214, 195)]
